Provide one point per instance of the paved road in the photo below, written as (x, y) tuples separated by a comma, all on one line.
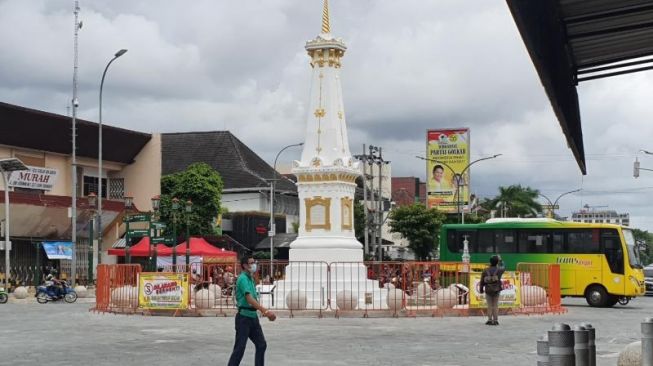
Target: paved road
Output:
[(64, 334)]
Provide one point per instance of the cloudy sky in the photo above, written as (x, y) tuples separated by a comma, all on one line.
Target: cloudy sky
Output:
[(411, 65)]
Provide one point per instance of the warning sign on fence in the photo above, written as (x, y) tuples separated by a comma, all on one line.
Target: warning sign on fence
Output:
[(163, 290), (510, 296)]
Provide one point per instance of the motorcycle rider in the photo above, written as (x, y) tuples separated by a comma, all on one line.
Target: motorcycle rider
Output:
[(54, 284)]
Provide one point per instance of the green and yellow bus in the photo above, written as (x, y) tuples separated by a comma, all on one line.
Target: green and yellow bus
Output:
[(597, 261)]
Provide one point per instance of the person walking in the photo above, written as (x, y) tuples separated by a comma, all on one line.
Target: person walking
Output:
[(247, 323), (491, 285)]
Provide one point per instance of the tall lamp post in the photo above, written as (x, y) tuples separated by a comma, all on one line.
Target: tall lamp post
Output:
[(552, 206), (129, 203), (175, 208), (156, 205), (460, 176), (99, 160), (189, 209), (92, 201), (273, 229), (6, 167)]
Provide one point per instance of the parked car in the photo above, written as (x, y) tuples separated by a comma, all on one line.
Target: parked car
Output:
[(648, 279)]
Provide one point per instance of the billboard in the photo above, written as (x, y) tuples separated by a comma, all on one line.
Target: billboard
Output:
[(447, 153), (510, 295), (34, 178), (58, 249), (160, 290)]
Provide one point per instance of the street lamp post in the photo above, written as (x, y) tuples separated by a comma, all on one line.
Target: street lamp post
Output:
[(552, 206), (189, 209), (129, 202), (6, 167), (156, 205), (175, 208), (99, 161), (460, 176), (273, 230), (92, 201)]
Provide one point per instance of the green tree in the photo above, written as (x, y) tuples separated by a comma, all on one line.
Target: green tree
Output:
[(515, 201), (646, 250), (359, 221), (202, 185), (419, 225)]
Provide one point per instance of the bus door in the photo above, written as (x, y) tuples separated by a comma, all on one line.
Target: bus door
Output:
[(613, 250)]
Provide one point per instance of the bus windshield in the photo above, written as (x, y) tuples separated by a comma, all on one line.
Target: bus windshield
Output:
[(633, 252)]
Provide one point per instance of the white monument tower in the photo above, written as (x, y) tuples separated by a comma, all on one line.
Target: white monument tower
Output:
[(326, 183), (326, 173)]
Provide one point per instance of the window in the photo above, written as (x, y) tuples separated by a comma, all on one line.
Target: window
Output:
[(91, 185), (456, 240), (505, 241), (533, 241), (583, 241), (613, 251), (485, 243), (558, 242)]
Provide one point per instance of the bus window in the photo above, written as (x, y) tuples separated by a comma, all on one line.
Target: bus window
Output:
[(558, 242), (612, 249), (505, 241), (583, 241), (457, 245), (485, 243), (533, 241)]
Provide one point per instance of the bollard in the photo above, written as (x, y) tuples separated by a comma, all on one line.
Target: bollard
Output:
[(543, 351), (561, 345), (591, 343), (581, 336), (647, 342)]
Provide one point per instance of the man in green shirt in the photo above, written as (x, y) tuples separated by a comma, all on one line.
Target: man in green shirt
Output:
[(247, 324)]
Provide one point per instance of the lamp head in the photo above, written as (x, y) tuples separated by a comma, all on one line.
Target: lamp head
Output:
[(92, 200), (129, 202), (120, 53), (156, 202)]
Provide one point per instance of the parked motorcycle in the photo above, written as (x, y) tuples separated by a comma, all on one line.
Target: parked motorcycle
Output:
[(45, 294), (4, 297)]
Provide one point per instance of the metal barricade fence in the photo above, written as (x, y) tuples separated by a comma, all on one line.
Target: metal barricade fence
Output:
[(117, 287), (540, 288), (387, 288), (212, 287)]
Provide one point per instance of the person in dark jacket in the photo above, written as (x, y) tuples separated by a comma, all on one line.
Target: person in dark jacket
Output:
[(491, 286)]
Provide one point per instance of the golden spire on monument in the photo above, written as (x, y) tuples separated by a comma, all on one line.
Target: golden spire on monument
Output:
[(326, 28)]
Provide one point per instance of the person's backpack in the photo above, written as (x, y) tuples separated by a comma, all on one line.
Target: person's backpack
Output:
[(492, 282)]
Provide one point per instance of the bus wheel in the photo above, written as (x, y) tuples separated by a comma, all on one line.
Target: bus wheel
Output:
[(596, 296), (624, 300), (612, 301)]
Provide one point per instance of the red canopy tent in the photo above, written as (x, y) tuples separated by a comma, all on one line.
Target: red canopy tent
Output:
[(142, 249), (202, 248)]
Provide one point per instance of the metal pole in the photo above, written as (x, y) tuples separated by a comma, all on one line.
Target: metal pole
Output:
[(379, 214), (73, 211), (581, 349), (7, 241), (543, 351), (187, 243), (561, 345), (647, 342), (174, 243), (365, 228), (373, 206), (128, 258), (90, 252), (273, 226), (591, 343)]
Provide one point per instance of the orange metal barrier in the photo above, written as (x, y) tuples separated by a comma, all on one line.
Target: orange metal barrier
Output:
[(381, 288), (540, 288), (117, 287)]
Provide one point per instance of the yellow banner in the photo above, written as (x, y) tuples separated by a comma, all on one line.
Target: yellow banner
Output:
[(157, 290), (510, 296), (447, 152)]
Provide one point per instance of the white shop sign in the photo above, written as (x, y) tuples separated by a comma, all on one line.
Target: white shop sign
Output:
[(34, 178)]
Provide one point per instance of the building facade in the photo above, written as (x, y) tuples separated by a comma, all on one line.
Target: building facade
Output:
[(589, 215)]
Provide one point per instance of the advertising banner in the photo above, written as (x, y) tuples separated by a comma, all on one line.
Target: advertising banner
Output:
[(58, 249), (34, 178), (510, 297), (158, 290), (447, 152)]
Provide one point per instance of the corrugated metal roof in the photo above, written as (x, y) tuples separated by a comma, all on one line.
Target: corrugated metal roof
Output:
[(606, 31), (570, 41)]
